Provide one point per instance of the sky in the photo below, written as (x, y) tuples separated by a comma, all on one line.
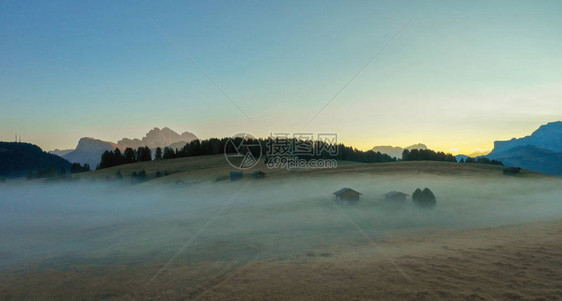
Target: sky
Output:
[(459, 75)]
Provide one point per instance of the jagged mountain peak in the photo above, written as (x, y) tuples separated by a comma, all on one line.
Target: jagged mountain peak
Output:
[(157, 137), (417, 146), (89, 150), (89, 142), (396, 151)]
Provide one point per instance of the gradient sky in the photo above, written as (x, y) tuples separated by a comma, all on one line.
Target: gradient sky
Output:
[(461, 75)]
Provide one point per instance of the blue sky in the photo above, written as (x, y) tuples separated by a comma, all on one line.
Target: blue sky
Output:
[(461, 75)]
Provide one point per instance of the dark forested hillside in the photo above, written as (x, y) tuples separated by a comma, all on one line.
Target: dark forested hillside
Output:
[(18, 159)]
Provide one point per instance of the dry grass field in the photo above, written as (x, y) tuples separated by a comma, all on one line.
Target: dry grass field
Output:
[(205, 168), (490, 236)]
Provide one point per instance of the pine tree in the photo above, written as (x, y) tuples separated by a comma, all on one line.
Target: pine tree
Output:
[(168, 153), (117, 157), (107, 160), (75, 168), (146, 154), (130, 155), (158, 154)]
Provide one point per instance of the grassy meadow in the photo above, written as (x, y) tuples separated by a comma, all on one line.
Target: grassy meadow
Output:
[(84, 235)]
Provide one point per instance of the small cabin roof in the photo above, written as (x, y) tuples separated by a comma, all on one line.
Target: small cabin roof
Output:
[(395, 193), (345, 189)]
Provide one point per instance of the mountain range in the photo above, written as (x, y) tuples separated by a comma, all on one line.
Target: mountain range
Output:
[(60, 152), (158, 138), (548, 137), (475, 154), (533, 158), (89, 150), (396, 151), (541, 151)]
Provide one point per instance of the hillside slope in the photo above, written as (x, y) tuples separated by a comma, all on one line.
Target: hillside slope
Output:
[(532, 157), (17, 159), (215, 168)]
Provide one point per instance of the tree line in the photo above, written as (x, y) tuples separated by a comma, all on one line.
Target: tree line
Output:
[(426, 155), (129, 155), (348, 153), (257, 147), (429, 155), (319, 150), (481, 160)]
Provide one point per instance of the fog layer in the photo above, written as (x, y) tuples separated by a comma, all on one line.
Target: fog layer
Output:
[(57, 224)]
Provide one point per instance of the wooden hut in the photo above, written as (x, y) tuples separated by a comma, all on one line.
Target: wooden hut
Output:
[(395, 196), (347, 194)]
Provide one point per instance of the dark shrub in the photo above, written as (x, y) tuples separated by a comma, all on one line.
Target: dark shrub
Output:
[(417, 195), (424, 198)]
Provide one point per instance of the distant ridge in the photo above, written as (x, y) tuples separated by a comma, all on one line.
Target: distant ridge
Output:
[(478, 154), (541, 151), (547, 136), (158, 138), (89, 150), (475, 154), (396, 151), (60, 152)]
